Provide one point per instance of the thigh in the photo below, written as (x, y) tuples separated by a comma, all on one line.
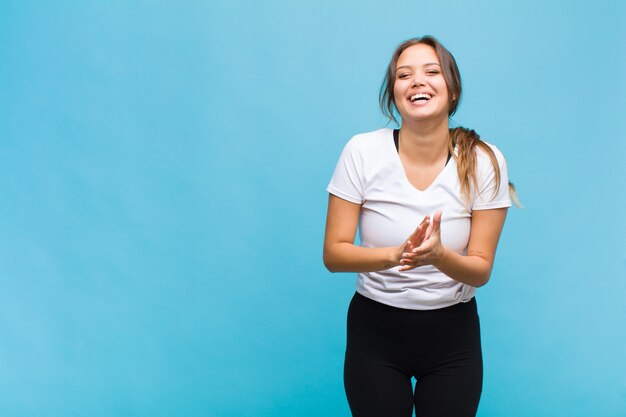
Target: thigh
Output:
[(453, 389), (376, 382), (376, 389), (451, 384)]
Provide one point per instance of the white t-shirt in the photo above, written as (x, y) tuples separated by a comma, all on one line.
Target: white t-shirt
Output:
[(370, 173)]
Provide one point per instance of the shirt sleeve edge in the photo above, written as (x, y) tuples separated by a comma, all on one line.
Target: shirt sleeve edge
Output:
[(343, 195), (493, 205)]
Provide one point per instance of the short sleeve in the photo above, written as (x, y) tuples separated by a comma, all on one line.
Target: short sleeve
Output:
[(347, 180), (488, 197)]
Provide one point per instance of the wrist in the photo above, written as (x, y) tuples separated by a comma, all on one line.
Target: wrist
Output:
[(394, 257), (443, 253)]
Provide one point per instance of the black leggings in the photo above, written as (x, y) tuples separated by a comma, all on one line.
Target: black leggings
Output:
[(387, 346)]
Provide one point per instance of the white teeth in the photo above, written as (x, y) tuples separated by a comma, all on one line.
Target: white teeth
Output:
[(420, 95)]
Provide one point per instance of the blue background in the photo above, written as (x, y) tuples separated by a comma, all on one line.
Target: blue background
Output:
[(162, 200)]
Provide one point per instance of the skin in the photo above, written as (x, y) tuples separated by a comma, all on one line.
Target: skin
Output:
[(423, 144)]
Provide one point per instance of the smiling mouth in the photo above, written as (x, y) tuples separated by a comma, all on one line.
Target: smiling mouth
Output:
[(420, 97)]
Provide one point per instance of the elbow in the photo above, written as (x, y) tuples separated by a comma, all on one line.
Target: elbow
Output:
[(330, 267), (481, 271), (482, 281), (332, 259), (483, 278), (328, 263)]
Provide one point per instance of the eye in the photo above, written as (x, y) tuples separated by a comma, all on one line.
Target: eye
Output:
[(432, 72), (404, 75)]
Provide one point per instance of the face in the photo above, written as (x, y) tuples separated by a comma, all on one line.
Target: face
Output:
[(420, 90)]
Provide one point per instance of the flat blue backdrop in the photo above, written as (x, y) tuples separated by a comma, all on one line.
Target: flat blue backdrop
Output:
[(162, 200)]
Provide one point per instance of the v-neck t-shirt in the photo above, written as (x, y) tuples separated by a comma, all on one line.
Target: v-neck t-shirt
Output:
[(370, 173)]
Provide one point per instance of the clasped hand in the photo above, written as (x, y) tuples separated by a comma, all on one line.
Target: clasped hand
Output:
[(424, 246)]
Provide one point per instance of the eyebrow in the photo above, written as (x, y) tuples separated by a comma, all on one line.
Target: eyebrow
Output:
[(425, 65)]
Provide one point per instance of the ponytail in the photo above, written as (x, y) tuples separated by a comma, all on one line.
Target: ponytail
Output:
[(467, 141)]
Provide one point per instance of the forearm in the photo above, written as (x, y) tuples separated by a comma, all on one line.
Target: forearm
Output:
[(347, 257), (468, 269)]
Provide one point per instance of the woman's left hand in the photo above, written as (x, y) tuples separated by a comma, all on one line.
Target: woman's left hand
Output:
[(430, 252)]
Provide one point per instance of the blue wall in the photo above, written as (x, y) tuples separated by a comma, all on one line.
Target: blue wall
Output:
[(162, 200)]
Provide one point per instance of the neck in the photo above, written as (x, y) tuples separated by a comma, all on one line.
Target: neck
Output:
[(425, 142)]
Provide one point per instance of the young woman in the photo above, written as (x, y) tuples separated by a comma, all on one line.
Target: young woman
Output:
[(430, 203)]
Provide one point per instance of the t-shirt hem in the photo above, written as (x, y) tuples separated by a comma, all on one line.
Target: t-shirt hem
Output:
[(411, 304)]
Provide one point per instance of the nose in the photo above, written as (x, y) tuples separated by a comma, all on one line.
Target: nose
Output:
[(418, 80)]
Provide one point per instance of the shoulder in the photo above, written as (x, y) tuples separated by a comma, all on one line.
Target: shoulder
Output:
[(482, 154), (369, 140), (484, 160)]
